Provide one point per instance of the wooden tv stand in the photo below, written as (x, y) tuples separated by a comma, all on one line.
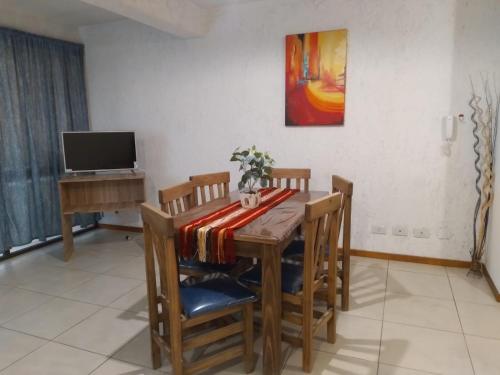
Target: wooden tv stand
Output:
[(96, 193)]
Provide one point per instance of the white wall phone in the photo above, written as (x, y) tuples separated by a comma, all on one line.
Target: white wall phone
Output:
[(449, 128), (448, 133)]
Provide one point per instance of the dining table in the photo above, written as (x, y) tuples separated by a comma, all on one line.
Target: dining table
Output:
[(265, 238)]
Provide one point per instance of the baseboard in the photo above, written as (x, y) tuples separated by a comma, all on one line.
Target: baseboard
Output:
[(492, 285), (124, 228), (411, 258)]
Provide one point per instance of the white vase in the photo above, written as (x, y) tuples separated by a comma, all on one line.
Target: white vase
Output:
[(250, 200)]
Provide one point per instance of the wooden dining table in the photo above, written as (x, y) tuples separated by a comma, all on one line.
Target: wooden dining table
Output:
[(264, 238)]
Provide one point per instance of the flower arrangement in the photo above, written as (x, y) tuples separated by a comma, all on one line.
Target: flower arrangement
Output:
[(256, 167)]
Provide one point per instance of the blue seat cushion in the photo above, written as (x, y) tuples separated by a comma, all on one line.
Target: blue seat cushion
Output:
[(196, 265), (296, 248), (212, 293), (291, 277)]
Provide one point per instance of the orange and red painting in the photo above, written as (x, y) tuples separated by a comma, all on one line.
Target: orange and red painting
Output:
[(315, 78)]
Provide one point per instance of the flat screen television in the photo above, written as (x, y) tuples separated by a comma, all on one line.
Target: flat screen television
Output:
[(98, 151)]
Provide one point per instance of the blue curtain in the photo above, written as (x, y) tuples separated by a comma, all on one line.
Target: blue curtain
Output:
[(42, 92)]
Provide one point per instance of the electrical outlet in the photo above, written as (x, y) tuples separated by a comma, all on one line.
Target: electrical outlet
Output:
[(379, 229), (399, 230), (421, 232)]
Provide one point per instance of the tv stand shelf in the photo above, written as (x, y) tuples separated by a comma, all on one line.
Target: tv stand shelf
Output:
[(97, 193)]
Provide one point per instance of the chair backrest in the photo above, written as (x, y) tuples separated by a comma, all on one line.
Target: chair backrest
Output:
[(159, 250), (345, 188), (321, 232), (206, 186), (300, 176), (177, 199)]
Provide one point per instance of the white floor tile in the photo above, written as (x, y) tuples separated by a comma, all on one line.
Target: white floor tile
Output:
[(18, 301), (13, 272), (422, 311), (91, 260), (54, 280), (56, 359), (114, 367), (363, 277), (134, 269), (356, 338), (417, 267), (480, 320), (14, 346), (457, 272), (52, 318), (121, 248), (472, 289), (138, 351), (420, 284), (394, 370), (102, 290), (328, 364), (424, 349), (136, 300), (366, 303), (485, 355), (367, 291), (370, 262), (106, 331)]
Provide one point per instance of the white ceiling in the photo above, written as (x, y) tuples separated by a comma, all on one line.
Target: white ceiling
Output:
[(219, 3), (63, 12)]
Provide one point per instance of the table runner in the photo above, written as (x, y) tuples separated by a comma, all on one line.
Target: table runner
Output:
[(211, 237)]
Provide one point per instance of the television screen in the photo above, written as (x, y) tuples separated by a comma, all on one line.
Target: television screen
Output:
[(97, 151)]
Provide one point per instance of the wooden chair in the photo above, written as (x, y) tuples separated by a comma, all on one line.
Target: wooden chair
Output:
[(174, 201), (176, 309), (300, 282), (300, 176), (177, 199), (295, 252), (345, 188), (206, 185)]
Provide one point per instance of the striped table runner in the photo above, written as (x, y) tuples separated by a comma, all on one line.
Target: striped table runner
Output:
[(211, 237)]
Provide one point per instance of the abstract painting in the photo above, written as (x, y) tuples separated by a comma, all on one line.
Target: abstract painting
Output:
[(315, 78)]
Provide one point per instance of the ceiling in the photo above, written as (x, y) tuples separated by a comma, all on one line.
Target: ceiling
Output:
[(63, 12), (219, 3)]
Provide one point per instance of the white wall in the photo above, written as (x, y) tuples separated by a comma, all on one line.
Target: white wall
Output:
[(193, 101)]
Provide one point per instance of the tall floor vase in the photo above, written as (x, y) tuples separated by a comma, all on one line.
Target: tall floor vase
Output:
[(485, 106)]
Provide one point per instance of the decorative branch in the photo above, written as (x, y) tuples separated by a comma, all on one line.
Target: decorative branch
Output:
[(485, 115)]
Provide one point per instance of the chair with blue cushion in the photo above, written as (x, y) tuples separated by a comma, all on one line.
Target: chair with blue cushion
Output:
[(286, 177), (300, 282), (210, 186), (295, 252), (176, 200), (179, 312)]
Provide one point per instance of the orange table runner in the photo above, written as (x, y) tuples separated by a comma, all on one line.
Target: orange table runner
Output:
[(211, 238)]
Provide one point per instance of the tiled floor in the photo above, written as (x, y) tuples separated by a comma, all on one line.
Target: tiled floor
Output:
[(89, 316)]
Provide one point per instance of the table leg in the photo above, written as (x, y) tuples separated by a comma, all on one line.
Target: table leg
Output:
[(67, 233), (271, 309)]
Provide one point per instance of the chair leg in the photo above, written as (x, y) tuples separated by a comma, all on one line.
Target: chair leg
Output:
[(331, 328), (176, 354), (345, 281), (249, 360), (155, 351), (307, 337)]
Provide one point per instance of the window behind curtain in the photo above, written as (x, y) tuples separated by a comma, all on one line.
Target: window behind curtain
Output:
[(42, 92)]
